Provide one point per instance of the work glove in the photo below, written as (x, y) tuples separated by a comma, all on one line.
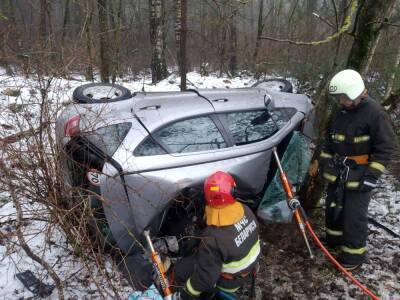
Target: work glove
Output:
[(367, 184)]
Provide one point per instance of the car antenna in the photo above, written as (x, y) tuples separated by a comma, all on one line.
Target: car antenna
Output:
[(200, 95)]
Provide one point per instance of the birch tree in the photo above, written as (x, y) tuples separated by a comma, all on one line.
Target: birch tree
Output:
[(157, 40)]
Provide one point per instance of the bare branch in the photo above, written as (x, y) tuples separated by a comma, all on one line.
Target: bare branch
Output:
[(346, 25)]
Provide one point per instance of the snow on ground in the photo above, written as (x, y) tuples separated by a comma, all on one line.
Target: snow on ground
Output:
[(286, 272)]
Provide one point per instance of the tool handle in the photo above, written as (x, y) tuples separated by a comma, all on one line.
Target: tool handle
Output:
[(158, 267)]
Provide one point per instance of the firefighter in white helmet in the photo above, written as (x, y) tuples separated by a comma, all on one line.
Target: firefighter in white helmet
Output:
[(358, 146)]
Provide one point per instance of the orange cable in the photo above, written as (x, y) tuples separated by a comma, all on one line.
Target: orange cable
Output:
[(337, 264)]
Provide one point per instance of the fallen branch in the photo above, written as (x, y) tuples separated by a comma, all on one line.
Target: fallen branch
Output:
[(23, 134)]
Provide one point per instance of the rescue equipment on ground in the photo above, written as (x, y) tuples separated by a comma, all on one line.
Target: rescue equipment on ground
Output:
[(296, 158), (159, 268), (294, 204)]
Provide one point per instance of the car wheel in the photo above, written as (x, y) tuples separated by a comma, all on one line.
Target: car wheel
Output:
[(275, 84), (100, 93)]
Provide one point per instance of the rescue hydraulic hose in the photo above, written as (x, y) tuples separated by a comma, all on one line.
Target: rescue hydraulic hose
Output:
[(300, 214), (292, 202), (159, 268)]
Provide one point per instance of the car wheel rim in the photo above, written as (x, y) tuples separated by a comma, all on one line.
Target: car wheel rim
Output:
[(102, 92)]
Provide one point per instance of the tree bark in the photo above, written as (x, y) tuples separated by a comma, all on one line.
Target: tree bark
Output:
[(311, 190), (180, 37), (232, 42), (116, 13), (395, 74), (89, 40), (260, 28), (104, 47), (65, 22), (369, 25), (157, 40), (42, 24)]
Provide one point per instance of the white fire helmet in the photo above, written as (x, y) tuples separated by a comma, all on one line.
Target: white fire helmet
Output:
[(347, 82)]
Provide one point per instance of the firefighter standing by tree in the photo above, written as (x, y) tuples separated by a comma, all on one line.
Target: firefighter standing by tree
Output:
[(229, 247), (358, 146)]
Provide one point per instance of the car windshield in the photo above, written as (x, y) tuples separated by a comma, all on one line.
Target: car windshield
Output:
[(108, 138)]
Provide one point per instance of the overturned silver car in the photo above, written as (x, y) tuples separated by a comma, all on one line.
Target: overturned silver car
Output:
[(144, 156)]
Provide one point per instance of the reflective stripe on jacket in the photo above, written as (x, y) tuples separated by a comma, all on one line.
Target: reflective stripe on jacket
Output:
[(363, 130), (233, 249)]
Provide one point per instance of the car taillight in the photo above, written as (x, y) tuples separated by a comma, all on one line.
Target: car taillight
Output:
[(72, 126)]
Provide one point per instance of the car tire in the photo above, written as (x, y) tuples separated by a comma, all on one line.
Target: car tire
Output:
[(100, 93), (275, 84)]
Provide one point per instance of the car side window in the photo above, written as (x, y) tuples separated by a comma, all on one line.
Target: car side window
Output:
[(191, 135), (149, 147), (254, 126)]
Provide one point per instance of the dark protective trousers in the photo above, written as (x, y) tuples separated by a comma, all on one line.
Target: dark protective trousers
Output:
[(184, 268), (350, 229)]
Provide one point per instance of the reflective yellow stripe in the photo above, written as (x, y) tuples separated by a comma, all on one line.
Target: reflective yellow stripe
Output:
[(361, 139), (329, 177), (325, 155), (359, 251), (377, 166), (338, 137), (237, 266), (352, 184), (227, 290), (334, 232), (191, 290)]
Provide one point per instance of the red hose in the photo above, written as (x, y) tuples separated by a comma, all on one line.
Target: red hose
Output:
[(338, 265)]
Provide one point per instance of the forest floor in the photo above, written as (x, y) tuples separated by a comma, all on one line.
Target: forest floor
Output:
[(286, 272)]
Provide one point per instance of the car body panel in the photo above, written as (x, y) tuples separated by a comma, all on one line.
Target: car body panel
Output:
[(151, 192), (136, 189)]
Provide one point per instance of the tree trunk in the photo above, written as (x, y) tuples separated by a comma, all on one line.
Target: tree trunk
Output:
[(260, 28), (65, 22), (311, 190), (369, 25), (116, 20), (104, 48), (42, 24), (395, 74), (204, 41), (180, 37), (89, 40), (232, 42), (157, 40)]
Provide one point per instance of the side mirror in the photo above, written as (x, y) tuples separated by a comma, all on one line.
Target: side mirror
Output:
[(267, 100)]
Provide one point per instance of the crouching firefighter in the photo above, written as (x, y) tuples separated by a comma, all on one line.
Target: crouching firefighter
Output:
[(229, 249), (358, 146)]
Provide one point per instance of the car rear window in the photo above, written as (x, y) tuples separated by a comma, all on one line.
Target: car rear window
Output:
[(244, 132), (108, 138)]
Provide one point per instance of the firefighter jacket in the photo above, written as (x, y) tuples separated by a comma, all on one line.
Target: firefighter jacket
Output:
[(365, 130), (232, 249)]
